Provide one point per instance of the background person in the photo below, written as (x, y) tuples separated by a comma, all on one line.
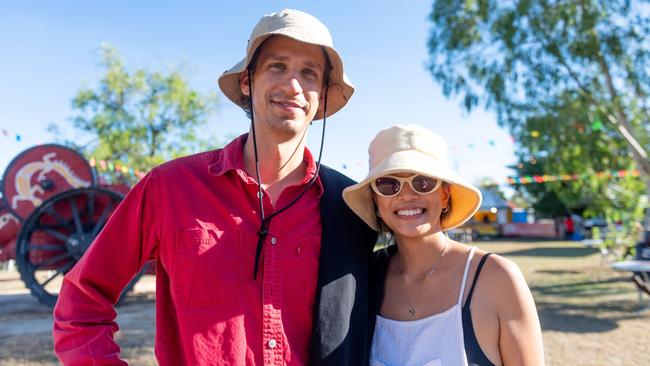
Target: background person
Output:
[(568, 227)]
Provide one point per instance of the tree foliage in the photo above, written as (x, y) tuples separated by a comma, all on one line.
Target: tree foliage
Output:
[(566, 143), (140, 118), (576, 72)]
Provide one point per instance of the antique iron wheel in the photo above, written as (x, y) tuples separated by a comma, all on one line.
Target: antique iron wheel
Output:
[(57, 234)]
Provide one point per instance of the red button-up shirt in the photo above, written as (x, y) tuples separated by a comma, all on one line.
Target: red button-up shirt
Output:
[(198, 217)]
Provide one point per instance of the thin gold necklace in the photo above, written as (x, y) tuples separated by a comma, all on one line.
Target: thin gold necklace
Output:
[(403, 278)]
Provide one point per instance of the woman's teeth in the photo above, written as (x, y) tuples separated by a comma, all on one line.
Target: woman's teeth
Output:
[(410, 212)]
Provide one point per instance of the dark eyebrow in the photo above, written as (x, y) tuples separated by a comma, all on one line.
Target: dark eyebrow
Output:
[(277, 58), (315, 65), (285, 58)]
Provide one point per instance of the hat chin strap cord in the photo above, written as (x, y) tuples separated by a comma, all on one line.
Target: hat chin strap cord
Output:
[(266, 221)]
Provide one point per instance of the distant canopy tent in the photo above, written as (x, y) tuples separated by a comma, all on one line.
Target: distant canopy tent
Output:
[(493, 208)]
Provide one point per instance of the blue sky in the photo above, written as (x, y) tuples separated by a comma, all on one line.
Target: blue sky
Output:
[(49, 50)]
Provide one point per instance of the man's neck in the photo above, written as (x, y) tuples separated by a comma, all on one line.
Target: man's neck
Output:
[(280, 164)]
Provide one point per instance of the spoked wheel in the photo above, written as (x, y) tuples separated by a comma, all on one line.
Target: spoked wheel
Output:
[(57, 234)]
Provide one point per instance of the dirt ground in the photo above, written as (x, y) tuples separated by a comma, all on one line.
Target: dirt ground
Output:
[(26, 325), (590, 314)]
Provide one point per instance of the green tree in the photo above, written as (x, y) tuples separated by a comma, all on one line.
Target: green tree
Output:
[(564, 142), (550, 67), (542, 197), (140, 118)]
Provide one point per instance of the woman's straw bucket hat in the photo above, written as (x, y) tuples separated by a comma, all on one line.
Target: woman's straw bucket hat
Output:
[(412, 149)]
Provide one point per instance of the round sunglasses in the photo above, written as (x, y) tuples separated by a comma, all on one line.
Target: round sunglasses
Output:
[(391, 186)]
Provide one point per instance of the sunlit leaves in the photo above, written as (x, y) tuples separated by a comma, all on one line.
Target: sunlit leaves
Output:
[(141, 118), (556, 67)]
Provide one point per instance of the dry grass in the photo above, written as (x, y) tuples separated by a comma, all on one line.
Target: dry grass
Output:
[(590, 314)]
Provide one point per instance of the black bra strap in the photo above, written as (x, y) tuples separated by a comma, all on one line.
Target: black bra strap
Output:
[(478, 271)]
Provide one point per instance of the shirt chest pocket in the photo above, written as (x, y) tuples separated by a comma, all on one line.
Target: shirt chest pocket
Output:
[(302, 264), (208, 267)]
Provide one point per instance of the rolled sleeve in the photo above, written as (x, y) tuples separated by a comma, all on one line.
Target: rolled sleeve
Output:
[(84, 317)]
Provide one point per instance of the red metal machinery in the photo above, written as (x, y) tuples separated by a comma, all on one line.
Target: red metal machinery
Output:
[(50, 213)]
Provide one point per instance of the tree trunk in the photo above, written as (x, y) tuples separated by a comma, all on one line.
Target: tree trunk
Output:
[(645, 235), (639, 154)]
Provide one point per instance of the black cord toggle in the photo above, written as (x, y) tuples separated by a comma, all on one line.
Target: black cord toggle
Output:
[(261, 236)]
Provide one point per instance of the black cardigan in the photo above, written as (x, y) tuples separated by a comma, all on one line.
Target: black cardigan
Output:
[(340, 331)]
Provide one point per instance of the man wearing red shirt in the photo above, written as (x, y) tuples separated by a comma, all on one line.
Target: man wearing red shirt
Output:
[(259, 260)]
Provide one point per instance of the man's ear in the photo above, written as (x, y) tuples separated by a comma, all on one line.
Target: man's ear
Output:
[(321, 101), (243, 83)]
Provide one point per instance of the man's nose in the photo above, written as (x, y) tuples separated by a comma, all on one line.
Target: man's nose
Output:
[(292, 84)]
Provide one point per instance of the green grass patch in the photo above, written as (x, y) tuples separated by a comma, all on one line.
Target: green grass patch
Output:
[(574, 288)]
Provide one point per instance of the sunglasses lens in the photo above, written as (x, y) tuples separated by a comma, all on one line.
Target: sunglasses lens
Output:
[(387, 186), (422, 184)]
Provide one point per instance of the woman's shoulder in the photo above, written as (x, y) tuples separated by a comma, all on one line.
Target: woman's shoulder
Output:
[(500, 268), (502, 291), (502, 282)]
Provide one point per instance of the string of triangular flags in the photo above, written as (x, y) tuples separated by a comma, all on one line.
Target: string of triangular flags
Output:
[(11, 135), (108, 166), (527, 179)]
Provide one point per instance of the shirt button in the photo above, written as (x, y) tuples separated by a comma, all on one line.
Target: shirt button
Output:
[(274, 240), (272, 343)]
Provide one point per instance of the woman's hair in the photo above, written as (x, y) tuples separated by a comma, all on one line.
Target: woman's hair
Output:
[(380, 223), (385, 233), (447, 212), (252, 65)]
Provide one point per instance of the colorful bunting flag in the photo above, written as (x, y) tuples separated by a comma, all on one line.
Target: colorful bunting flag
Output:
[(565, 177), (597, 125)]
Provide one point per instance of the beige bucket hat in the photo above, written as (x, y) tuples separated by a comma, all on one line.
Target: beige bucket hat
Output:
[(412, 149), (301, 27)]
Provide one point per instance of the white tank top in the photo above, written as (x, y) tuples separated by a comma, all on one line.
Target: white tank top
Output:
[(436, 340)]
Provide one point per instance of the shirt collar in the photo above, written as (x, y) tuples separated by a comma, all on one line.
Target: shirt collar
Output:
[(231, 157)]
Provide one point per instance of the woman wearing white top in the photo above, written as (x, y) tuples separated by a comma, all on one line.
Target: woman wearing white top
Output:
[(429, 304)]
